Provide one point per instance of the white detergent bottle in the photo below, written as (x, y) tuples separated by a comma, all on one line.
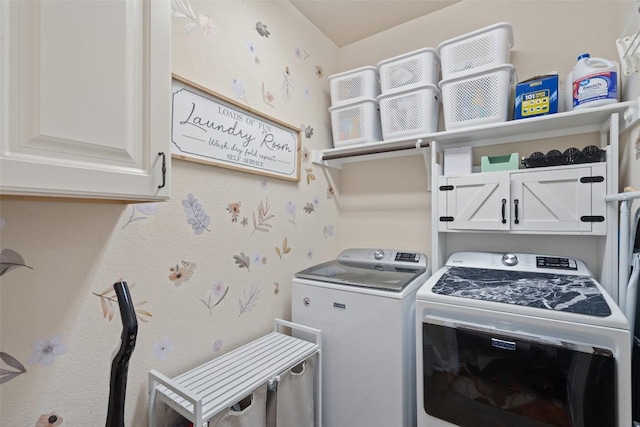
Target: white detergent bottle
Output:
[(595, 82), (568, 92)]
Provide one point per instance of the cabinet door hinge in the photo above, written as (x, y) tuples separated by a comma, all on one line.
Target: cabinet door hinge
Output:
[(590, 179), (446, 188), (446, 219), (590, 218)]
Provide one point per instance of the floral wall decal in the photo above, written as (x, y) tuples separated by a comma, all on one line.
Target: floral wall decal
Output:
[(248, 302), (330, 192), (49, 420), (637, 145), (10, 259), (242, 260), (45, 350), (217, 345), (237, 87), (234, 210), (146, 209), (253, 51), (182, 274), (276, 288), (109, 302), (216, 295), (287, 84), (182, 9), (309, 208), (262, 29), (261, 222), (319, 71), (258, 259), (306, 155), (310, 175), (264, 185), (291, 209), (162, 348), (308, 131), (310, 254), (7, 375), (285, 249), (267, 96), (328, 231), (300, 53), (196, 215)]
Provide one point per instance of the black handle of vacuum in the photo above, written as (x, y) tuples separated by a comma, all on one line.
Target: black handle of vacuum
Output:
[(120, 363)]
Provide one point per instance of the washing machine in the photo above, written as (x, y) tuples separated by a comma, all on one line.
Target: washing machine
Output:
[(520, 340), (364, 304)]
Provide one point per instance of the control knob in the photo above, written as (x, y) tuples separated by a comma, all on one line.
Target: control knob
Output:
[(509, 260)]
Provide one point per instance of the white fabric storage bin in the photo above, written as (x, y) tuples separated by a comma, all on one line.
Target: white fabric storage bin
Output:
[(295, 396), (409, 71), (251, 411), (354, 86), (476, 51), (356, 123), (479, 98), (409, 113)]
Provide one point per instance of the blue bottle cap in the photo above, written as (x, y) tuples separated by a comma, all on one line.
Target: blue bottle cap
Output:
[(584, 55)]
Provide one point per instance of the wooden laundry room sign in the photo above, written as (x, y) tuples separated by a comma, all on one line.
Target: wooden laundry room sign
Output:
[(209, 128)]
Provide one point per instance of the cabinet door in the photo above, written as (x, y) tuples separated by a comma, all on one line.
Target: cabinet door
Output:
[(552, 200), (85, 98), (474, 202)]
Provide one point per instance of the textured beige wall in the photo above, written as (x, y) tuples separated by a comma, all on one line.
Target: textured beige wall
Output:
[(75, 251)]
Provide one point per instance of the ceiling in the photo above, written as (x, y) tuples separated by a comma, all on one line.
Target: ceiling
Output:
[(347, 21)]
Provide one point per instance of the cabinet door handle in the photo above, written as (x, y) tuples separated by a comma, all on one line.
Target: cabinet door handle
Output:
[(164, 170), (516, 202), (504, 210)]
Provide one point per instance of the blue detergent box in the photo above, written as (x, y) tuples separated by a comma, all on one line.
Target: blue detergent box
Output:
[(536, 96)]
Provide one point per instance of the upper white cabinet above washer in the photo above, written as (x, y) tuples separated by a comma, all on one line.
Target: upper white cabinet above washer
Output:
[(85, 99)]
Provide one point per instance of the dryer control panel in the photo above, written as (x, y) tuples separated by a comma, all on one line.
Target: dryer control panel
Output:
[(520, 261)]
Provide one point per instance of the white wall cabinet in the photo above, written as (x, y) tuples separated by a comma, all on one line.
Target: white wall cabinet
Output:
[(562, 200), (85, 99)]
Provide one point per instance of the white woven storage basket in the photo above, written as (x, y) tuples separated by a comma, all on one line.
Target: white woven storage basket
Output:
[(409, 113), (480, 98), (409, 71), (476, 51), (354, 86), (356, 123)]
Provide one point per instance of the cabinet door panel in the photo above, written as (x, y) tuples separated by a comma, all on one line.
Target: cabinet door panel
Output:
[(77, 80), (475, 203), (551, 200)]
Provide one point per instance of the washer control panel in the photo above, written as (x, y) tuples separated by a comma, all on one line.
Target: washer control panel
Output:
[(407, 257), (556, 262)]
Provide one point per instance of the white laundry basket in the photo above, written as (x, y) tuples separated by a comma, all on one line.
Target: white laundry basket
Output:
[(253, 413), (295, 406), (354, 86), (409, 113), (409, 71), (476, 51), (480, 98), (356, 123)]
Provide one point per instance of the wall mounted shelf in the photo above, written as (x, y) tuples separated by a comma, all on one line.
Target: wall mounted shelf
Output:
[(535, 128)]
